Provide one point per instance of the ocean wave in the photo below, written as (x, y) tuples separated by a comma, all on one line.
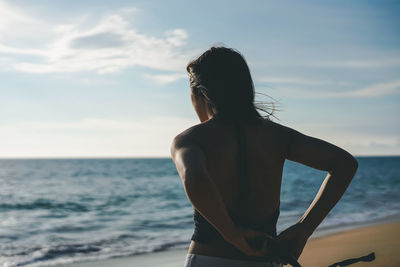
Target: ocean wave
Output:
[(47, 204)]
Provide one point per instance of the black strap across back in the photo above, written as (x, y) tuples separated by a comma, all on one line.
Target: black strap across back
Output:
[(205, 232)]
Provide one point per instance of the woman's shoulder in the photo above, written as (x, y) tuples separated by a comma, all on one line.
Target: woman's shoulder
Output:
[(200, 129), (188, 136), (279, 129)]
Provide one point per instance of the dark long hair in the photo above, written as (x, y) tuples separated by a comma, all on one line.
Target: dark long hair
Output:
[(222, 77)]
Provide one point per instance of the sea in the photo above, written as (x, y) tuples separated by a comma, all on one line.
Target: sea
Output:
[(56, 211)]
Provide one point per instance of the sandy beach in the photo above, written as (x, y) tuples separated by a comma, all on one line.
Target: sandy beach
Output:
[(383, 239)]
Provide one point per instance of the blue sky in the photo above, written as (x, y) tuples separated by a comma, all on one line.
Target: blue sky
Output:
[(107, 78)]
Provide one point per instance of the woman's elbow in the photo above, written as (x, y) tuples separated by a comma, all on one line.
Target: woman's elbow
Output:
[(354, 164), (345, 164), (351, 164)]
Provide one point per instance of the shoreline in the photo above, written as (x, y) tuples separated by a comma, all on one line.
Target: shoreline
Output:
[(334, 229), (322, 249)]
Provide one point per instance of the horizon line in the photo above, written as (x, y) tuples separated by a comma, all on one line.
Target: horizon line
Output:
[(146, 157)]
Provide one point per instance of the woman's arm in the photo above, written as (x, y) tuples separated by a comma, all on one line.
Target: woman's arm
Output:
[(200, 189), (319, 154), (202, 192)]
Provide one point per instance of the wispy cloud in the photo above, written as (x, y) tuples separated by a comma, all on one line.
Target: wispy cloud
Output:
[(358, 64), (166, 78), (374, 90), (292, 80), (112, 44), (10, 16), (373, 62), (380, 89)]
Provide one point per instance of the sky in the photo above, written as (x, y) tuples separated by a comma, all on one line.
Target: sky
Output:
[(108, 78)]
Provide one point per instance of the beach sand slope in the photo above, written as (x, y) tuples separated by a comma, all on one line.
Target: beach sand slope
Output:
[(383, 239)]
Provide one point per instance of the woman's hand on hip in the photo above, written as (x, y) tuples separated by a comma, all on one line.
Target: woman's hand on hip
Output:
[(292, 241), (251, 242)]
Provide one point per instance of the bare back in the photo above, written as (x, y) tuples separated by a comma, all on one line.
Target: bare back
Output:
[(265, 152)]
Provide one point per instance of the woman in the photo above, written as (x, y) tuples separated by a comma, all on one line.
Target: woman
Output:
[(231, 168)]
